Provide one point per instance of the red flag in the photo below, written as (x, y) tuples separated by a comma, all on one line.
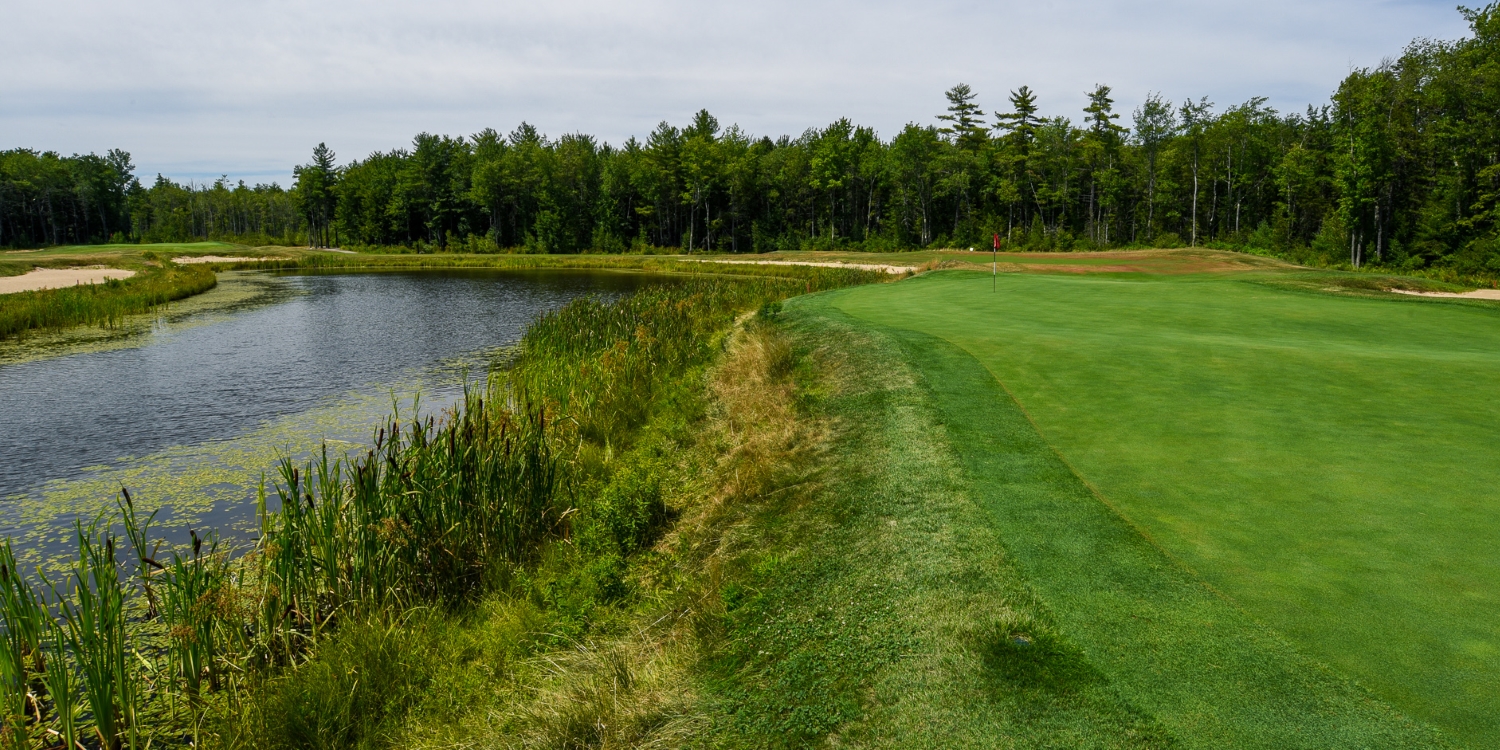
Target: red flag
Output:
[(997, 241)]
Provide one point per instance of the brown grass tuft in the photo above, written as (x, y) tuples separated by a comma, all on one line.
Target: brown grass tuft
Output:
[(637, 690)]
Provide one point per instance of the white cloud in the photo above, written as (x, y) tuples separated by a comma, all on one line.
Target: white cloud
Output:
[(247, 88)]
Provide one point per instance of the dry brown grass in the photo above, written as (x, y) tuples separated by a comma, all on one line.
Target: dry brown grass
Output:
[(763, 440), (629, 693), (637, 690)]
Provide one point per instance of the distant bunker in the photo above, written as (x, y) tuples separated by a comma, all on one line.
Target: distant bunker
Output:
[(57, 278)]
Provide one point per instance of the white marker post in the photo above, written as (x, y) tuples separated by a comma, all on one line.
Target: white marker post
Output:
[(995, 267)]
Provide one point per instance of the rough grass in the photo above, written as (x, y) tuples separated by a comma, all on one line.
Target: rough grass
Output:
[(518, 670), (870, 546), (100, 304), (355, 694), (829, 580), (1325, 461), (1113, 261), (881, 609)]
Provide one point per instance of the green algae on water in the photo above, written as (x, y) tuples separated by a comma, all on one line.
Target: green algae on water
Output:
[(237, 291), (213, 484)]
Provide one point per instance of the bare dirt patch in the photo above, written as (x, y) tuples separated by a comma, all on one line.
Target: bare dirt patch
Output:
[(821, 264), (57, 278), (1493, 294), (1184, 266), (191, 259)]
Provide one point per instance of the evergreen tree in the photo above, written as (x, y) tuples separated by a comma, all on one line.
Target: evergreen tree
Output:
[(1021, 121), (315, 188), (965, 119), (1101, 145)]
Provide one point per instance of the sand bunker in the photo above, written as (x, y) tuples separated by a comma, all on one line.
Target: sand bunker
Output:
[(1476, 294), (821, 264), (57, 278), (191, 259)]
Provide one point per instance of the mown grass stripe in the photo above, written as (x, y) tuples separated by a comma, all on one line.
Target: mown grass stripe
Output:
[(895, 545), (1173, 647)]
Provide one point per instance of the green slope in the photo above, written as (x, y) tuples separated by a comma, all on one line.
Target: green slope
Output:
[(1326, 462), (884, 610)]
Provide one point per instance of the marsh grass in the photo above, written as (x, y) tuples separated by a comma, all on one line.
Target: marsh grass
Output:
[(732, 443), (21, 652), (412, 523), (538, 487), (105, 304)]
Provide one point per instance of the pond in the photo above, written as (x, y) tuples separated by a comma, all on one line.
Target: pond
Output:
[(189, 413)]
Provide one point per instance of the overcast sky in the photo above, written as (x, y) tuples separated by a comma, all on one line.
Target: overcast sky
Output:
[(198, 89)]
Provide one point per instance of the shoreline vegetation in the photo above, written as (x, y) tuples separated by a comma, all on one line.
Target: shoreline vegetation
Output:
[(540, 493), (103, 304), (717, 513), (159, 281)]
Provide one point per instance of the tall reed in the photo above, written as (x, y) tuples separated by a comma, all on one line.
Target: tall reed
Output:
[(21, 652), (432, 514), (95, 615), (105, 304), (417, 519)]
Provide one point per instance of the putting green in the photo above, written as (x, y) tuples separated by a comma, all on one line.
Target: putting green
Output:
[(1328, 463)]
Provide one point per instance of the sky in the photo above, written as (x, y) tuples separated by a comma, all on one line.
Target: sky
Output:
[(194, 90)]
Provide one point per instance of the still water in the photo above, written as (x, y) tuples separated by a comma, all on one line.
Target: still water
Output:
[(188, 414)]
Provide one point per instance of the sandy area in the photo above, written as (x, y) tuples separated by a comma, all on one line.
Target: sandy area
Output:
[(56, 278), (191, 259), (1476, 294), (823, 264)]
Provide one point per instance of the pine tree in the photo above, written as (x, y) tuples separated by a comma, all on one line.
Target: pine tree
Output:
[(964, 118), (1021, 122), (1101, 115), (1102, 141), (316, 185)]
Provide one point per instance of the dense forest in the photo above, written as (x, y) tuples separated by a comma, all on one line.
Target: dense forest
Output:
[(47, 199), (1400, 169)]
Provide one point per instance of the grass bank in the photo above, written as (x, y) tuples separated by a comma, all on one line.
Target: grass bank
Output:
[(821, 576), (538, 490), (867, 544), (158, 281), (104, 304)]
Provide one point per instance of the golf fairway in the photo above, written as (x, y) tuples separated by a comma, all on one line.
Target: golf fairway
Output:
[(1324, 463)]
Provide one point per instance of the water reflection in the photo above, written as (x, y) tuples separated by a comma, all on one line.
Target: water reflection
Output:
[(322, 360)]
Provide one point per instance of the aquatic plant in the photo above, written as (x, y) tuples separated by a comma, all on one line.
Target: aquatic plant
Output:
[(104, 304), (95, 616), (433, 515)]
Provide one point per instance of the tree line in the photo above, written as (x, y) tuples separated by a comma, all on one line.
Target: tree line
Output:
[(48, 199), (1400, 168)]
